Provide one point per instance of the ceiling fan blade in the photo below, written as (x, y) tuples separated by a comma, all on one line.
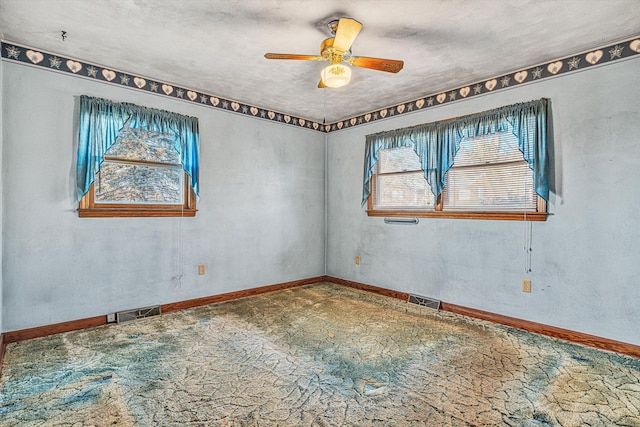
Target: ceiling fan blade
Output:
[(388, 65), (346, 33), (321, 85), (293, 56)]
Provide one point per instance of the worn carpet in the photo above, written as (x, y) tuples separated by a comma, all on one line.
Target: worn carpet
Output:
[(319, 355)]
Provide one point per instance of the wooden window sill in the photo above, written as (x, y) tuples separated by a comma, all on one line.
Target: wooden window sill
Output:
[(505, 216), (124, 212)]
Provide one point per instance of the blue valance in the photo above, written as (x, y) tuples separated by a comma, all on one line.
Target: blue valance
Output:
[(101, 120), (437, 143)]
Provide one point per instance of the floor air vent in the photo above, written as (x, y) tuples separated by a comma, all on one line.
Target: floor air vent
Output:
[(424, 301), (138, 313)]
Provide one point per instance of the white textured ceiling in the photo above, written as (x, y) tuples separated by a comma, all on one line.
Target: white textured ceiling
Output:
[(217, 46)]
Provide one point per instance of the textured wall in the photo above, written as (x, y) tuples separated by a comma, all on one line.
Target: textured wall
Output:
[(585, 270), (260, 219), (262, 226)]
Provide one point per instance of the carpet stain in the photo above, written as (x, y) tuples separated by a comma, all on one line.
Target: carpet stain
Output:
[(320, 355)]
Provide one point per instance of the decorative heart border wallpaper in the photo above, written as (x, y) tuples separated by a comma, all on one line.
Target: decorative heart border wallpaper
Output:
[(569, 64)]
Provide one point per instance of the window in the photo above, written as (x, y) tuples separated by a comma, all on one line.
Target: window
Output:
[(141, 170), (141, 175), (399, 181), (475, 168), (489, 174)]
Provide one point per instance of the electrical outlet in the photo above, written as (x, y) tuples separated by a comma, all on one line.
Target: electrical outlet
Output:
[(526, 285), (201, 269), (111, 317), (357, 260)]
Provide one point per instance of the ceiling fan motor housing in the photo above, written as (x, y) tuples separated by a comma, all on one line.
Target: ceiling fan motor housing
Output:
[(332, 55)]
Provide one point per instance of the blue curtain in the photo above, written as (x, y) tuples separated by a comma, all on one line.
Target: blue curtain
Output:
[(436, 144), (101, 120), (375, 143)]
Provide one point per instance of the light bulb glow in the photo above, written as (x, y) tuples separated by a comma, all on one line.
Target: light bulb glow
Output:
[(336, 75)]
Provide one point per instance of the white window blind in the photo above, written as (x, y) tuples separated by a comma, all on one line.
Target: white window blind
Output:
[(489, 174), (400, 182)]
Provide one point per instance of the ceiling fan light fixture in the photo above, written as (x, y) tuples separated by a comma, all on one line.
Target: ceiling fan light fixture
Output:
[(336, 75), (337, 50)]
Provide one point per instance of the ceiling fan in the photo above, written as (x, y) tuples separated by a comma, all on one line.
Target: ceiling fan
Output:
[(337, 50)]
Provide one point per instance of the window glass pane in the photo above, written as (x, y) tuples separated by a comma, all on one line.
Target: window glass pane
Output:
[(489, 174), (120, 182), (403, 190), (493, 148), (398, 160), (126, 177), (144, 145)]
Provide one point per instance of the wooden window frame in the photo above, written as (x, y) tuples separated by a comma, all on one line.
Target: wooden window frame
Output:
[(539, 215), (89, 209)]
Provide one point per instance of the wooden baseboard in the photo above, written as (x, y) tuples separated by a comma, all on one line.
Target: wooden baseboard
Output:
[(369, 288), (537, 328), (56, 328), (542, 329), (91, 322), (182, 305)]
